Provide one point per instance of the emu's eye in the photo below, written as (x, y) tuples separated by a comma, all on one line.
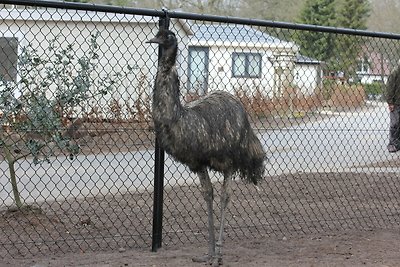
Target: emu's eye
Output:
[(170, 36)]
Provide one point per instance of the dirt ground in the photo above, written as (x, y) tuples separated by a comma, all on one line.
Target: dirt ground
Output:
[(350, 248), (321, 219)]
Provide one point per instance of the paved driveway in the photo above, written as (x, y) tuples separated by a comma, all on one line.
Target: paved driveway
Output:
[(340, 142)]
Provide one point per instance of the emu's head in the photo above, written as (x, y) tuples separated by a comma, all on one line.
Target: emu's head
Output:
[(165, 38)]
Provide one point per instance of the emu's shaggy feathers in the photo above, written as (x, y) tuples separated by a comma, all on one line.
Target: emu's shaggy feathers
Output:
[(213, 132)]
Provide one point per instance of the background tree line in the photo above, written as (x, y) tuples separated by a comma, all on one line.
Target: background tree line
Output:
[(384, 14)]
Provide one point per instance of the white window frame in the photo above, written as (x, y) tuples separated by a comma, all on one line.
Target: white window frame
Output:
[(247, 73)]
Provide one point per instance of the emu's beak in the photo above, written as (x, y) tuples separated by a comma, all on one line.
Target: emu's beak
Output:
[(154, 40)]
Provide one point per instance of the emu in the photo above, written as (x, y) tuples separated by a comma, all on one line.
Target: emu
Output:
[(212, 132)]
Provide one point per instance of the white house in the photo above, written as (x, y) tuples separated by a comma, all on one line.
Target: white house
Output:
[(239, 57), (121, 40), (372, 67), (211, 56)]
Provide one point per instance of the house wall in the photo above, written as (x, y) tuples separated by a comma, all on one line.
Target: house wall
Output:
[(306, 78), (220, 71), (370, 78)]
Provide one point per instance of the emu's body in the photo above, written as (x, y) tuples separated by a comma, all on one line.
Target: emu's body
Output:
[(213, 132)]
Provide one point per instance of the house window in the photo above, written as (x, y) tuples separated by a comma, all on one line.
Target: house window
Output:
[(363, 65), (246, 65), (8, 58)]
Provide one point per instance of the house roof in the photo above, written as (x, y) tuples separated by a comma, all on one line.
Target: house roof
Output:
[(300, 59), (234, 34), (63, 15), (52, 14)]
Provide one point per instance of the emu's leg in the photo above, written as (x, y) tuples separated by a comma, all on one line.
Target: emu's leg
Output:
[(225, 196), (208, 195)]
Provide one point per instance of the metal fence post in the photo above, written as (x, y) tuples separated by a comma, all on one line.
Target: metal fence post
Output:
[(159, 174)]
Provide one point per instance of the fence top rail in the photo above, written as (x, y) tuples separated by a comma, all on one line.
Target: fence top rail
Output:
[(195, 16)]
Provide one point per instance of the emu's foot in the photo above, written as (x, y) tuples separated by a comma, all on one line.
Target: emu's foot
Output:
[(213, 261), (203, 259), (217, 261)]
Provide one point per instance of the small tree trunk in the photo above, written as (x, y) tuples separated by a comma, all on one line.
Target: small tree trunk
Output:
[(13, 179)]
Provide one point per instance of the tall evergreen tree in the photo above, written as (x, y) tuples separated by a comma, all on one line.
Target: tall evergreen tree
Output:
[(316, 44), (352, 14)]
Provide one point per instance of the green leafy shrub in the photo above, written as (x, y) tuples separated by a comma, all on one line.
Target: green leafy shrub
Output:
[(51, 87), (375, 90)]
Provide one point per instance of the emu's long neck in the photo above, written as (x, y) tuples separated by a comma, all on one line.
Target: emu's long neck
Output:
[(167, 107)]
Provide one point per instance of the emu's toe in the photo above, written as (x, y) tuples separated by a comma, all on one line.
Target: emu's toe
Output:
[(217, 261), (203, 259), (213, 261)]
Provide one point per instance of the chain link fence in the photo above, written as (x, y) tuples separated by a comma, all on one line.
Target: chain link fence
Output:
[(77, 141)]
